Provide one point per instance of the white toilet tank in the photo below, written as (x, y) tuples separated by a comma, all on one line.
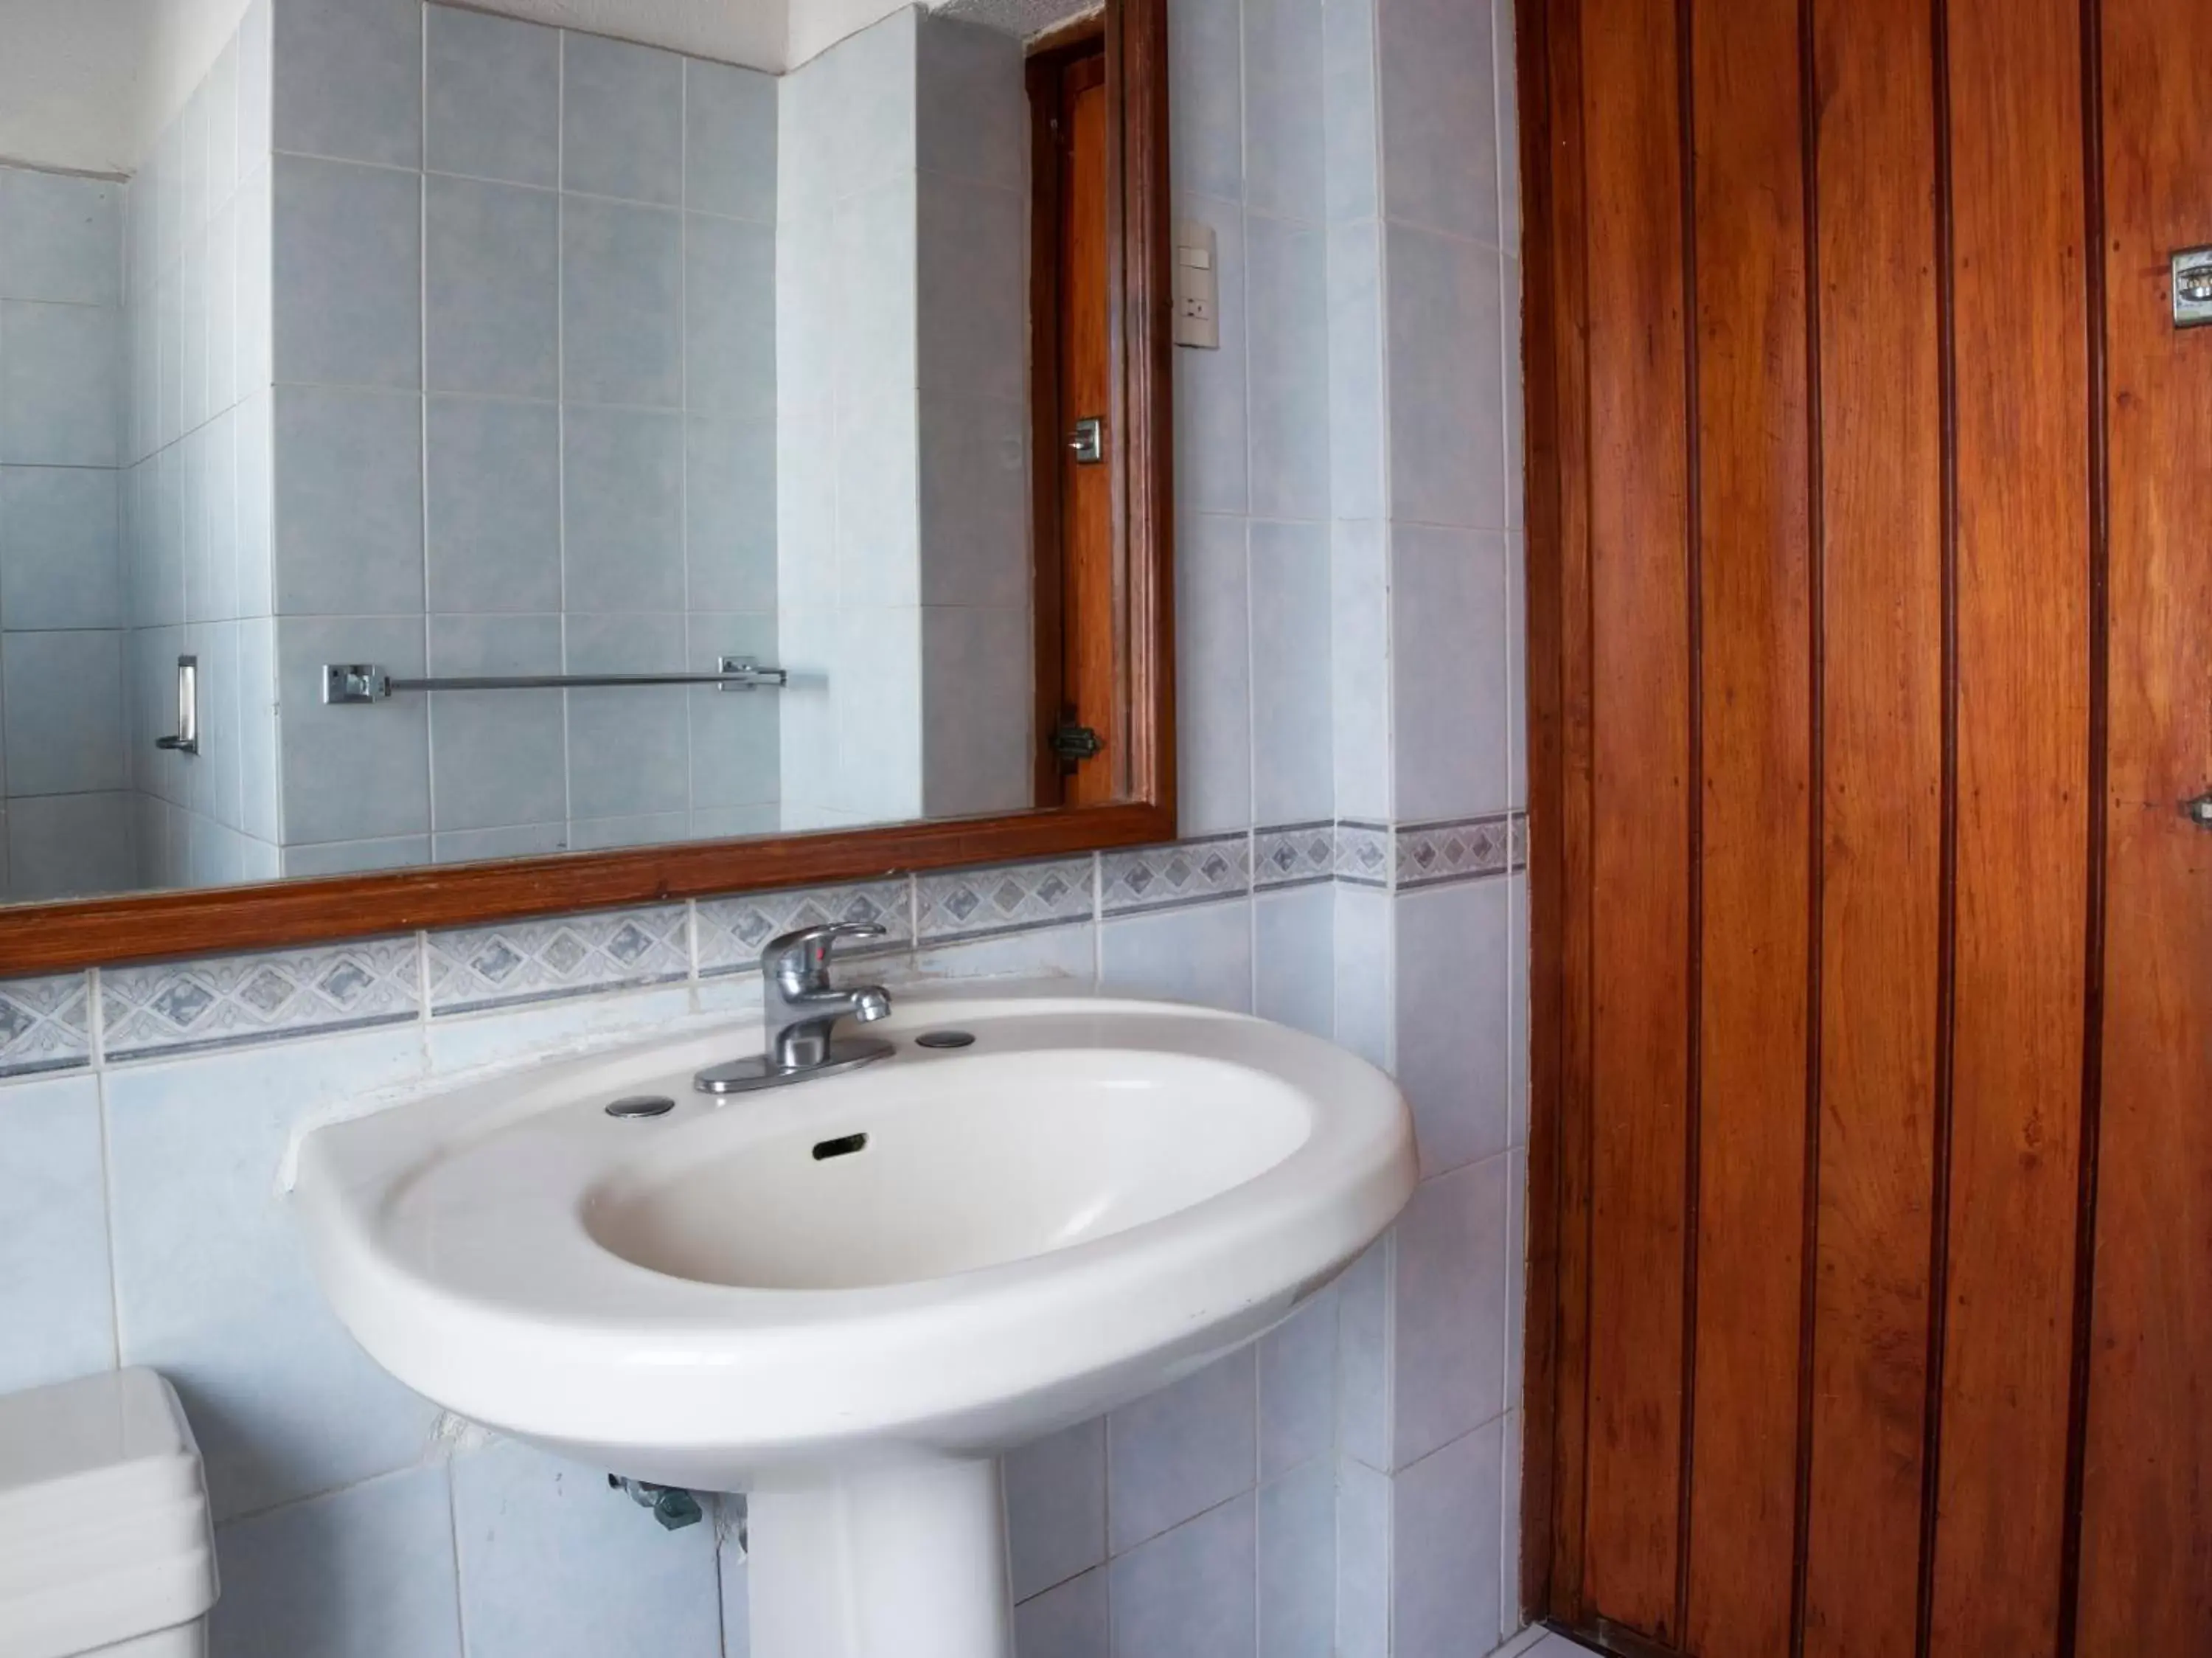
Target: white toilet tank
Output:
[(105, 1545)]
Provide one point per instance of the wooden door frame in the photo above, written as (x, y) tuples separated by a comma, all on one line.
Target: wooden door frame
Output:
[(1554, 331)]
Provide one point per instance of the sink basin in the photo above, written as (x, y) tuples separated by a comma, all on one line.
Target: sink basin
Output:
[(848, 1295)]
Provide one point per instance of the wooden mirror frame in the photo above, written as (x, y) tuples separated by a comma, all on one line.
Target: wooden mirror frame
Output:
[(81, 933)]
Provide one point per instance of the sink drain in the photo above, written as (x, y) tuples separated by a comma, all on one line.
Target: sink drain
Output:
[(641, 1105)]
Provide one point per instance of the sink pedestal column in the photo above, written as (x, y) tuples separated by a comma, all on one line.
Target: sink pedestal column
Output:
[(892, 1562)]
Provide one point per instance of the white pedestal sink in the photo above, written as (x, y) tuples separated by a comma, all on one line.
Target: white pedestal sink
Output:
[(848, 1296)]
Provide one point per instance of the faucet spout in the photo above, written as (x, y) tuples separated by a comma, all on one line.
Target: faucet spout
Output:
[(800, 1009)]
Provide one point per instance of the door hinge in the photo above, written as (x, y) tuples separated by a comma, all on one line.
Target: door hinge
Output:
[(2199, 809), (1075, 743)]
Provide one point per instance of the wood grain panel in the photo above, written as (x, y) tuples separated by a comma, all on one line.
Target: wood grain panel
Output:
[(1641, 774), (1882, 746), (1756, 663), (2146, 1566), (2022, 599)]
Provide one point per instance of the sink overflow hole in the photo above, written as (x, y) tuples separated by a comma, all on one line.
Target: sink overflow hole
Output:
[(945, 1039), (843, 1146), (641, 1105)]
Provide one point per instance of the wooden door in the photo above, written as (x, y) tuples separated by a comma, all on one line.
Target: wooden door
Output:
[(1078, 596), (1871, 573)]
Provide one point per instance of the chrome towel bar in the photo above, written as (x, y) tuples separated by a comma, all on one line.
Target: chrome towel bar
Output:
[(368, 682)]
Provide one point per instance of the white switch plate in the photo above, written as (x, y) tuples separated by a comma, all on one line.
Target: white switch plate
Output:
[(1197, 286)]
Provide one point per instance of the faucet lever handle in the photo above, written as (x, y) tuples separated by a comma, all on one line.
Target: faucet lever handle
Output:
[(804, 952)]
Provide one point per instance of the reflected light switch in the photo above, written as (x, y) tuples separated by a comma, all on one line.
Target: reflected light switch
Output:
[(1197, 287)]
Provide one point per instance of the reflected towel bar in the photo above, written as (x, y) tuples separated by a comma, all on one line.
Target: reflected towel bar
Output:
[(368, 682)]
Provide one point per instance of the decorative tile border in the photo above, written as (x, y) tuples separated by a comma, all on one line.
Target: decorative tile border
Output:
[(182, 1007), (955, 903), (1181, 872), (1455, 849), (1363, 853), (474, 967), (1293, 855), (46, 1024), (731, 930)]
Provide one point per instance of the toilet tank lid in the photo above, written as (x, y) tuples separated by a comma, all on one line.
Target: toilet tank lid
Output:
[(94, 1425)]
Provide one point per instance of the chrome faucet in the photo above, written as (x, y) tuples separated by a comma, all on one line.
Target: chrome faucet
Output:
[(800, 1009)]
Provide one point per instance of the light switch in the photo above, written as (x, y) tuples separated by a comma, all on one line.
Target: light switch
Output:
[(1197, 287)]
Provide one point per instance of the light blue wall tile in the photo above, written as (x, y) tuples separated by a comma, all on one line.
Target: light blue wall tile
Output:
[(1517, 1011), (1504, 64), (972, 274), (1359, 670), (729, 317), (1452, 1010), (349, 79), (1068, 953), (45, 1023), (494, 106), (1449, 1297), (970, 115), (1447, 381), (496, 759), (1202, 954), (1071, 1621), (729, 141), (351, 773), (1296, 1365), (1363, 1560), (1212, 468), (170, 1008), (975, 502), (349, 493), (1213, 708), (621, 120), (493, 516), (621, 303), (1439, 116), (1206, 98), (1293, 775), (1355, 371), (526, 1523), (874, 254), (364, 1573), (491, 285), (1294, 981), (1287, 291), (630, 748), (1445, 1575), (213, 1288), (1284, 133), (735, 734), (622, 488), (1178, 1452), (60, 368), (877, 532), (1297, 1564), (730, 513), (1449, 660), (1363, 1342), (353, 857), (349, 263), (1056, 1507), (868, 122), (62, 704), (60, 238), (70, 845), (1189, 1593), (54, 1292), (1353, 162)]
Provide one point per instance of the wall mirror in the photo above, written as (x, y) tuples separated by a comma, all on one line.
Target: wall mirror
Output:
[(568, 470)]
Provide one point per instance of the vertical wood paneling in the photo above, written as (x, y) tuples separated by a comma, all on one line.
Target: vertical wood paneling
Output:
[(2146, 1567), (1640, 761), (1882, 731), (1755, 661), (2022, 599)]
